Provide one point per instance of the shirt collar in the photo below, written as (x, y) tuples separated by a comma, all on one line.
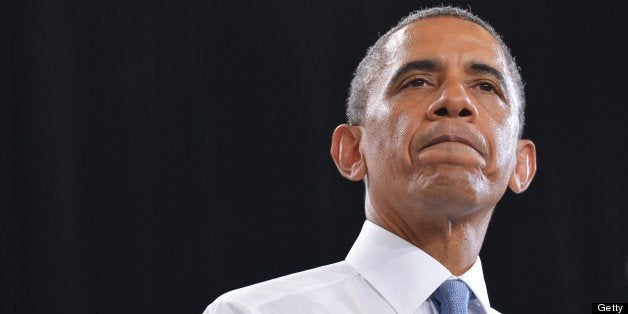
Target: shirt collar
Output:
[(474, 278), (403, 274)]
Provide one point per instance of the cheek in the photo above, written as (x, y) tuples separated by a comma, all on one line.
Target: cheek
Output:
[(387, 126), (386, 143), (401, 135), (505, 145), (387, 137)]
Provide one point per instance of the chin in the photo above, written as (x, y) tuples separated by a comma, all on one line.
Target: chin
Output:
[(456, 193)]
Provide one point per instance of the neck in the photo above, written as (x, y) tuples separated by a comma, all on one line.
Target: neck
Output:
[(455, 243)]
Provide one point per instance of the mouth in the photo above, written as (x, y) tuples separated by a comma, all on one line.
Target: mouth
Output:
[(453, 139)]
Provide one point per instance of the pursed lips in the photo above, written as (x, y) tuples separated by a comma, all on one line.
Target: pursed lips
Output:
[(451, 138)]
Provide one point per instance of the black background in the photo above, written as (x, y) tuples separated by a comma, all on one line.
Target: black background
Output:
[(157, 154)]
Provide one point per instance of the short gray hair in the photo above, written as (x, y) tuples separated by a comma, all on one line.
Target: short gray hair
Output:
[(375, 59)]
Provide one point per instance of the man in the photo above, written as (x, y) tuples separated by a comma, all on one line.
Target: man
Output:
[(435, 116)]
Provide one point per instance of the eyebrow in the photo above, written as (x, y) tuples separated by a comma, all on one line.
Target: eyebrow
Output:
[(483, 68), (417, 65)]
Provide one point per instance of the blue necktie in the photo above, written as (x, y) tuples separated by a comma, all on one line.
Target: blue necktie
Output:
[(452, 297)]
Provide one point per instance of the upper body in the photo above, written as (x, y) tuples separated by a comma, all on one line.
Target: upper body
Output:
[(435, 117), (381, 274)]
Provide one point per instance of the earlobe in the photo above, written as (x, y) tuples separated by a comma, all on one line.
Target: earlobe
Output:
[(345, 151), (525, 169)]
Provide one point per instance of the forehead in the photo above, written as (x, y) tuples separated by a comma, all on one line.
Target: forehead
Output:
[(448, 39)]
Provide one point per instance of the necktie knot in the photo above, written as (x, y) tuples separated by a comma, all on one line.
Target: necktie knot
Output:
[(452, 297)]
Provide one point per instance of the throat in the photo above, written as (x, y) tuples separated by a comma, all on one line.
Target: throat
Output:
[(454, 241), (455, 244), (449, 224)]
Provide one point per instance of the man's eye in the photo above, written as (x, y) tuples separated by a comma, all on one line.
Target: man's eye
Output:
[(418, 82), (486, 87)]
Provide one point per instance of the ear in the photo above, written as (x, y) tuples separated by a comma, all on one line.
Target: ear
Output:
[(345, 151), (525, 168)]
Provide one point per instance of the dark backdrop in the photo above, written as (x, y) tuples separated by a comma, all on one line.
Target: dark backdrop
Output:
[(156, 154)]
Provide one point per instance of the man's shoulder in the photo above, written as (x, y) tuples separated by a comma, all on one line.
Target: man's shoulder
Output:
[(295, 286)]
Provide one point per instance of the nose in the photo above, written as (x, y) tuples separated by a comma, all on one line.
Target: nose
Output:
[(453, 102)]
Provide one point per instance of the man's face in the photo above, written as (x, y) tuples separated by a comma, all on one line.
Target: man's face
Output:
[(440, 134)]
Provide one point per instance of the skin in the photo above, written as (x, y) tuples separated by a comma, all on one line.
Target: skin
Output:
[(439, 144)]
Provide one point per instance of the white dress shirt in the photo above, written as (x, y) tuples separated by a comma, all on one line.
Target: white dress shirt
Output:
[(382, 274)]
